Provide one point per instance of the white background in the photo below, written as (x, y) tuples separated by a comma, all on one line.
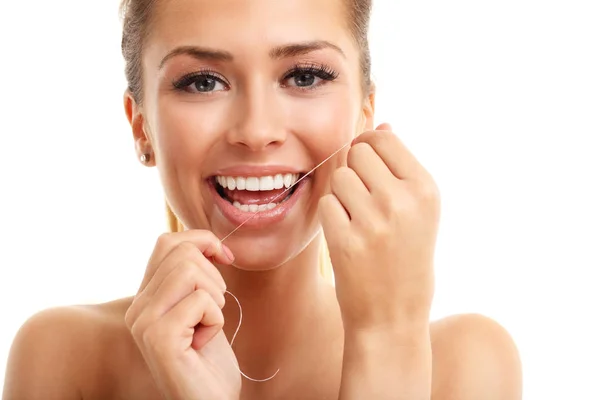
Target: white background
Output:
[(499, 99)]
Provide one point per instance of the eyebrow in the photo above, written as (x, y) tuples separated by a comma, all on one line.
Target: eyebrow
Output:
[(298, 49), (277, 53)]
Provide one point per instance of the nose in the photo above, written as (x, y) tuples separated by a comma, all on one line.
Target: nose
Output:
[(258, 122)]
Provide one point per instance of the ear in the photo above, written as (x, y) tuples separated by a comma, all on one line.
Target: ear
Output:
[(368, 110), (134, 114)]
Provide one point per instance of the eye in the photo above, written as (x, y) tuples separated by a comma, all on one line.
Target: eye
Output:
[(304, 80), (200, 82), (309, 76)]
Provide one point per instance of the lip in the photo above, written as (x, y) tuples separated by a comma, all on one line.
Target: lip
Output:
[(262, 219), (258, 170)]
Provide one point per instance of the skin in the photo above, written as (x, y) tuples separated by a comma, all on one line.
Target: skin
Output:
[(370, 337)]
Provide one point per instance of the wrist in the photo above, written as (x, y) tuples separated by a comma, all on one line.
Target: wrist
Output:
[(382, 362), (390, 335)]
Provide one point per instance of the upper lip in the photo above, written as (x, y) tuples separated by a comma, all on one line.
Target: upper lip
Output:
[(257, 170)]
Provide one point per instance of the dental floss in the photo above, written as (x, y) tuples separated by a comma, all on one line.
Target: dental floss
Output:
[(233, 338), (249, 218)]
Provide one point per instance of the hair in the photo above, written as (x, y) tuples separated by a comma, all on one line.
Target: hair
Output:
[(137, 18)]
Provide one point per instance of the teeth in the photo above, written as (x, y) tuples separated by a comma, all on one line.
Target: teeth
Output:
[(287, 180), (231, 183), (254, 207), (252, 184), (266, 183), (255, 184), (278, 181), (240, 184)]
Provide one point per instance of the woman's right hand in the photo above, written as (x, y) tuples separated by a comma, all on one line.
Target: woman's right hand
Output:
[(176, 319)]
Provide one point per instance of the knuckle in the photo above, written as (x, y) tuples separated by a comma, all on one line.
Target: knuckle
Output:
[(377, 227), (382, 138), (187, 270), (164, 240), (428, 194), (204, 298), (129, 319), (391, 201), (187, 248), (137, 330), (151, 336)]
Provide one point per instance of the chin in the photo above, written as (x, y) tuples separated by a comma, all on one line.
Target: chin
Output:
[(266, 253)]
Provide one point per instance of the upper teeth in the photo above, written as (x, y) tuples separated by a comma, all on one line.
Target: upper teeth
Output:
[(254, 184)]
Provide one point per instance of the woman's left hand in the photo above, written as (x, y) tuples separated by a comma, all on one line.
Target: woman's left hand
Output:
[(380, 223)]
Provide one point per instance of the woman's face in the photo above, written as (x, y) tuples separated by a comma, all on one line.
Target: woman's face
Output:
[(250, 94)]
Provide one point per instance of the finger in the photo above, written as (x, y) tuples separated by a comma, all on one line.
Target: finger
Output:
[(185, 251), (333, 217), (399, 160), (350, 191), (370, 168), (182, 280), (384, 127), (197, 317), (206, 242)]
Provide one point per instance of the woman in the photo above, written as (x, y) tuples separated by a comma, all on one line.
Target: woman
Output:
[(235, 102)]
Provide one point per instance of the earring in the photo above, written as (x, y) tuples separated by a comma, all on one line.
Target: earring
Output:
[(145, 158)]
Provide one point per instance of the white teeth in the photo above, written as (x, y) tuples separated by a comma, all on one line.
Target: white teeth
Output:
[(266, 183), (256, 208), (287, 180), (231, 183), (278, 181), (240, 183), (254, 183)]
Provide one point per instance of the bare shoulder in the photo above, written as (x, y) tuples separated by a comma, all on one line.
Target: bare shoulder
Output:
[(57, 351), (474, 357)]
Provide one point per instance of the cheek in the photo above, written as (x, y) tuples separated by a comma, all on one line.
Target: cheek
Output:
[(323, 124), (185, 130)]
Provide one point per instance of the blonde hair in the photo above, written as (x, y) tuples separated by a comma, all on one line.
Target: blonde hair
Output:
[(325, 267)]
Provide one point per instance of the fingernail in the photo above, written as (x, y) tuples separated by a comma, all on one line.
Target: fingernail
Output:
[(228, 253)]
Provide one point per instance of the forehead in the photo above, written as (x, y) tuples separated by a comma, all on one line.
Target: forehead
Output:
[(247, 26)]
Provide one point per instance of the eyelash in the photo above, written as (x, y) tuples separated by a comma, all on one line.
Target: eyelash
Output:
[(186, 80), (321, 71)]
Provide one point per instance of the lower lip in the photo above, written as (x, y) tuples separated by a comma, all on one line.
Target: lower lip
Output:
[(262, 218)]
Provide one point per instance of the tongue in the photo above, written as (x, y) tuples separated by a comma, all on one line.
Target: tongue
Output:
[(259, 197)]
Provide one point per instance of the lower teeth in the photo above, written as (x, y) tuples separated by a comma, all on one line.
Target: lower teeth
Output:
[(253, 207)]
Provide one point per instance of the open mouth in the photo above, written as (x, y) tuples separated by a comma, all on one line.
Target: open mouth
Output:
[(256, 194)]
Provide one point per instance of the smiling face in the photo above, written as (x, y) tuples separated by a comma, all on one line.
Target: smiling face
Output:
[(241, 98)]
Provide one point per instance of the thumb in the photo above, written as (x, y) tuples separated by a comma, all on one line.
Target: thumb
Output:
[(384, 127)]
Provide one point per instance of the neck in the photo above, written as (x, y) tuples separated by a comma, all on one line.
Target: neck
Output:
[(282, 309)]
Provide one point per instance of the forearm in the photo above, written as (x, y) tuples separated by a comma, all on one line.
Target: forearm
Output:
[(387, 364)]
